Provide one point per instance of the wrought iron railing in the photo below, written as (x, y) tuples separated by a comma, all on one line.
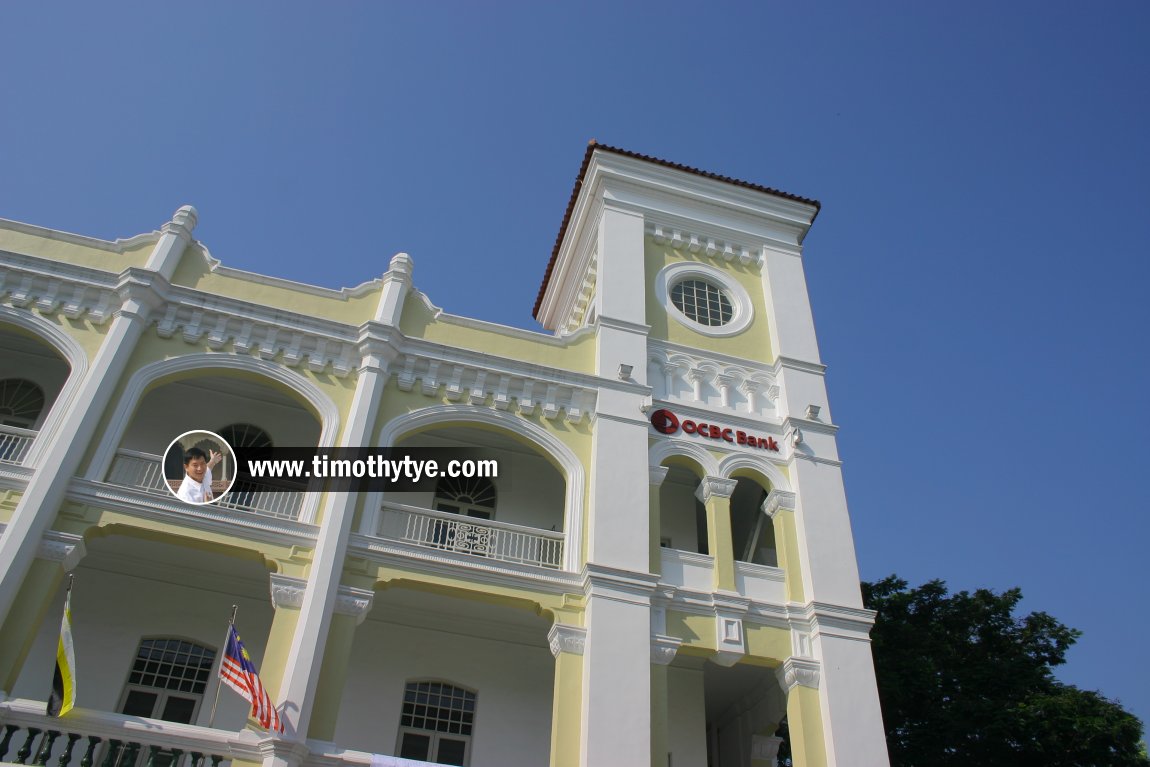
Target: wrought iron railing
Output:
[(145, 471), (14, 443), (468, 535)]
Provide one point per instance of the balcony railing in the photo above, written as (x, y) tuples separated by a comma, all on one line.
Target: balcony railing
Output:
[(14, 443), (469, 535), (145, 471), (84, 737)]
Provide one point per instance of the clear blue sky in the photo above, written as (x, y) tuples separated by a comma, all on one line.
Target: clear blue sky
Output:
[(978, 272)]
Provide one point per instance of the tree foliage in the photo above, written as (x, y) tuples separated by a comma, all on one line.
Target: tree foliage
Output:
[(963, 681)]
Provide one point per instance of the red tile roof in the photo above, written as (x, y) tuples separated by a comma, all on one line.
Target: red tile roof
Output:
[(594, 146)]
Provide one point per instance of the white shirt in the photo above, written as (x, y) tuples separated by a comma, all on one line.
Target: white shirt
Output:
[(196, 492)]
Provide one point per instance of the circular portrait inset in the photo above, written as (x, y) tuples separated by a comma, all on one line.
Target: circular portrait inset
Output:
[(199, 467)]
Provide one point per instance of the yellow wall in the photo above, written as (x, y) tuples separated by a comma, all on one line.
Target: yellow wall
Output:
[(752, 343), (418, 321), (354, 305), (81, 251)]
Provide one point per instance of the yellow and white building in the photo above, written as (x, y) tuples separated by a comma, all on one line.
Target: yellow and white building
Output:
[(663, 570)]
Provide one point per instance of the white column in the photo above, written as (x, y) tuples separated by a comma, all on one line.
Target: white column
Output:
[(849, 699), (617, 669), (791, 323), (140, 291), (302, 670), (826, 544), (619, 528)]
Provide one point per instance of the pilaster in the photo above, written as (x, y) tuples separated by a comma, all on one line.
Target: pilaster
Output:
[(799, 678), (663, 650), (29, 609), (655, 475), (303, 665), (780, 507), (616, 703), (567, 645), (352, 607), (139, 291), (715, 495)]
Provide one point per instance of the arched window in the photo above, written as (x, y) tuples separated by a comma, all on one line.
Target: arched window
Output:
[(21, 402), (241, 435), (436, 723), (471, 497), (168, 680)]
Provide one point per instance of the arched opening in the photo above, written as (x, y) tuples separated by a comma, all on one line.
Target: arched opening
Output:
[(150, 613), (682, 516), (512, 509), (752, 534), (423, 652), (33, 375), (254, 411)]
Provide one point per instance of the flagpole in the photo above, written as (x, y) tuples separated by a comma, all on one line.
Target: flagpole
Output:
[(223, 652)]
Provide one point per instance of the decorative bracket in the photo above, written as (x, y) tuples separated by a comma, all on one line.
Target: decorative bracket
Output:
[(568, 639), (663, 649), (287, 591), (803, 672), (778, 500), (719, 487), (66, 549)]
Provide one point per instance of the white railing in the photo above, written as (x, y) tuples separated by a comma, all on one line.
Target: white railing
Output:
[(145, 471), (28, 736), (142, 471), (468, 535), (14, 443)]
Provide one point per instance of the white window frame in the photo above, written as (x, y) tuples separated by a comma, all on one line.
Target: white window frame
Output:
[(743, 309), (435, 735)]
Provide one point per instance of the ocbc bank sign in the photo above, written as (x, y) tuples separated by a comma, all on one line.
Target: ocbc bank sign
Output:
[(666, 422)]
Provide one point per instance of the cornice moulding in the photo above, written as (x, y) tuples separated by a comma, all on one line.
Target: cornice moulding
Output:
[(15, 476), (816, 459), (806, 424), (651, 188), (790, 363), (622, 585), (668, 349), (704, 241)]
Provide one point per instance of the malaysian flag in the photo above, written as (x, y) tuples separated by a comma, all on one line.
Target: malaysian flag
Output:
[(239, 673)]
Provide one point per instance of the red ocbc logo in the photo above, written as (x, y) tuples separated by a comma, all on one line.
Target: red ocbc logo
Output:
[(666, 422)]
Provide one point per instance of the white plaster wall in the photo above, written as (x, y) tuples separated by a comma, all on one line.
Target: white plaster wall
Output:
[(169, 411), (687, 717), (112, 612), (850, 703), (513, 683), (826, 540)]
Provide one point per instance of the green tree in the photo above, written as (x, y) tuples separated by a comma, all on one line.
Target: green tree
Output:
[(963, 681)]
